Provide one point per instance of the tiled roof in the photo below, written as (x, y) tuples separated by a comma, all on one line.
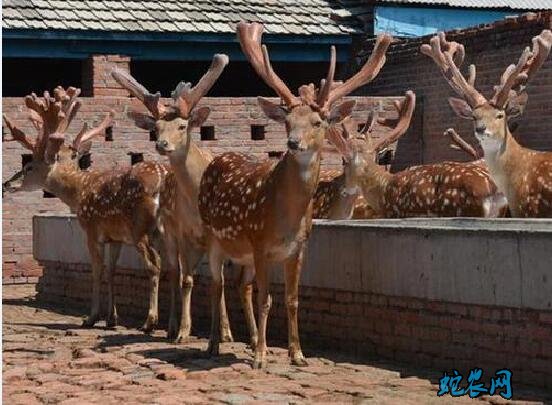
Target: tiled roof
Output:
[(304, 17), (498, 4)]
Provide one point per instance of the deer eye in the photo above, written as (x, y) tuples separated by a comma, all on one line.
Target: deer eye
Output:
[(182, 127), (500, 115), (317, 124)]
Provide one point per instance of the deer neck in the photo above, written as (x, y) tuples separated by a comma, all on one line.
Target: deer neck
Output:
[(505, 163), (373, 182), (65, 183), (295, 179), (189, 163), (348, 189)]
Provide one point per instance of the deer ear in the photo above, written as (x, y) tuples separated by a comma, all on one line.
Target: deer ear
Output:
[(343, 146), (461, 108), (141, 120), (198, 116), (84, 148), (516, 105), (342, 110), (272, 111)]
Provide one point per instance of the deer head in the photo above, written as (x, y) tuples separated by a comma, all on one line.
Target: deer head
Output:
[(51, 117), (360, 149), (173, 123), (308, 115), (490, 116)]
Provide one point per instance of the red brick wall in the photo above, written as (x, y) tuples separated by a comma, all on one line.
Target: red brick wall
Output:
[(437, 335), (232, 118), (491, 48)]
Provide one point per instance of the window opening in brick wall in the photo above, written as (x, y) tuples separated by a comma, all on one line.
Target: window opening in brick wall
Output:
[(237, 80), (275, 154), (109, 134), (26, 158), (85, 161), (207, 133), (136, 157), (21, 76), (257, 132)]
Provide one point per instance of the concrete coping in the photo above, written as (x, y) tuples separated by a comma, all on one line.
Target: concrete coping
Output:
[(505, 262)]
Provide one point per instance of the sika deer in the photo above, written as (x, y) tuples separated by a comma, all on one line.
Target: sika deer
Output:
[(185, 235), (445, 189), (112, 206), (259, 213), (523, 175)]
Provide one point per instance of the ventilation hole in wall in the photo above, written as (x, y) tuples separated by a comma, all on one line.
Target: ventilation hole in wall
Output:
[(207, 133), (46, 194), (85, 161), (109, 134), (275, 154), (257, 132), (153, 135), (26, 158), (136, 157), (385, 157)]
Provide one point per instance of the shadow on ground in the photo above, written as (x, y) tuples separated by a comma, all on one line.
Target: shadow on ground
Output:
[(193, 358)]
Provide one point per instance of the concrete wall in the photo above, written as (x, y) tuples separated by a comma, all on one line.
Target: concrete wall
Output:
[(439, 293), (473, 261)]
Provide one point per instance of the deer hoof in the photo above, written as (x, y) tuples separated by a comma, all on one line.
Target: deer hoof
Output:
[(299, 362), (227, 337), (181, 337), (88, 322), (213, 349), (112, 322), (259, 364)]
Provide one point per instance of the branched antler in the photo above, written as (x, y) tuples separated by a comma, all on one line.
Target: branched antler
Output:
[(86, 135), (368, 72), (449, 57), (249, 36), (330, 91), (187, 96), (151, 101), (405, 109), (460, 143), (515, 77), (18, 135)]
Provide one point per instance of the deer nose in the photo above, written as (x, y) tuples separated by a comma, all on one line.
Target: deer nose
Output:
[(161, 144), (480, 128), (293, 144)]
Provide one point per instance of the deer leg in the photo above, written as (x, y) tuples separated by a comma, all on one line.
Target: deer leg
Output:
[(153, 265), (226, 332), (189, 258), (96, 251), (114, 252), (246, 295), (216, 262), (264, 302), (171, 256), (292, 274)]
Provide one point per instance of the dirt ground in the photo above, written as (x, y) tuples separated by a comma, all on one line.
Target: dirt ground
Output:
[(48, 358)]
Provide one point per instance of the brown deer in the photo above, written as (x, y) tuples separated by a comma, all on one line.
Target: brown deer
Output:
[(445, 189), (338, 194), (112, 206), (523, 175), (259, 212), (185, 235)]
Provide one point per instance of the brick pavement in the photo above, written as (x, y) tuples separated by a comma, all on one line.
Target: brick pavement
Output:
[(48, 358)]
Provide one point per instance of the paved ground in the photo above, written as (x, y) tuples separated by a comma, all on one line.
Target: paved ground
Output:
[(48, 358)]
